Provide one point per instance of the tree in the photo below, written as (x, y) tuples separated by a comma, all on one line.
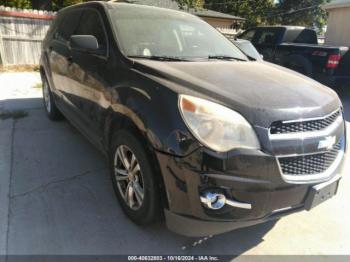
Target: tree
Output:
[(18, 3), (58, 4), (197, 4), (301, 12), (306, 13), (254, 11)]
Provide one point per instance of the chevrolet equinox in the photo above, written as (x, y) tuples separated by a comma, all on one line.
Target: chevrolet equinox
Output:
[(193, 128)]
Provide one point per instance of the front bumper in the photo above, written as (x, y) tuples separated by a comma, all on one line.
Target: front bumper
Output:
[(192, 227), (248, 176)]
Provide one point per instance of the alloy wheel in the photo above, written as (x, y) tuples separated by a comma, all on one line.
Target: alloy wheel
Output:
[(129, 177)]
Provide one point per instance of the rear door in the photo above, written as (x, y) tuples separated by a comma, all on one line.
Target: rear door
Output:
[(86, 75)]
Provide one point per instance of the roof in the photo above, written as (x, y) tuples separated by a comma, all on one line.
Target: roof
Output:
[(337, 4), (214, 14), (171, 4)]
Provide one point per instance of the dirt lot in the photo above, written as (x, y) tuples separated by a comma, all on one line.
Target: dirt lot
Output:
[(56, 197)]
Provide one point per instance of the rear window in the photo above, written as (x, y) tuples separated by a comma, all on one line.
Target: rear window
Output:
[(248, 35), (301, 36), (267, 37)]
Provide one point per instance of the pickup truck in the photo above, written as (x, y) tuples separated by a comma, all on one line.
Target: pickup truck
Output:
[(297, 48)]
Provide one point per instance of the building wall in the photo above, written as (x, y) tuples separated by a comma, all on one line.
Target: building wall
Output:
[(338, 30), (216, 22)]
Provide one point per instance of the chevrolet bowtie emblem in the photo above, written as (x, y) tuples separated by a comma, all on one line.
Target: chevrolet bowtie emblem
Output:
[(327, 143)]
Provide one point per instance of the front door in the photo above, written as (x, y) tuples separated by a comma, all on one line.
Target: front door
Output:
[(59, 53), (87, 86)]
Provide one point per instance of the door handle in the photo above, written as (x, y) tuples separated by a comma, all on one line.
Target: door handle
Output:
[(70, 60)]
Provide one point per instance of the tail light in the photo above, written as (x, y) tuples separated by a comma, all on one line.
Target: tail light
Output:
[(333, 61)]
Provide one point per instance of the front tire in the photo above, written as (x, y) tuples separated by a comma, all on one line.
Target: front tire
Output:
[(134, 178), (49, 103)]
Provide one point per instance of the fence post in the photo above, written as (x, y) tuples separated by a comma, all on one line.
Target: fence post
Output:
[(2, 51)]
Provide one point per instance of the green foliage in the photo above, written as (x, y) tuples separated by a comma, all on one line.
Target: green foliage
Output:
[(17, 3), (255, 12), (287, 12), (301, 12), (58, 4), (197, 4)]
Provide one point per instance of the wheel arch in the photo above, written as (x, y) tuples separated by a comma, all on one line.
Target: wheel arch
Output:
[(118, 121), (150, 111)]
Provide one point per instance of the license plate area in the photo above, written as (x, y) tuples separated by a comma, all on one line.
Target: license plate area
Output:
[(322, 192)]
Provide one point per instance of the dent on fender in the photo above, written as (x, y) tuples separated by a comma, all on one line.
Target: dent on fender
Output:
[(134, 103), (177, 142)]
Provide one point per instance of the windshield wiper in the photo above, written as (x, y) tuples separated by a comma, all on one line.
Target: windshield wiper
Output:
[(225, 57), (159, 58)]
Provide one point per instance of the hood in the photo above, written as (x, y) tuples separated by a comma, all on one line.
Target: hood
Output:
[(260, 91)]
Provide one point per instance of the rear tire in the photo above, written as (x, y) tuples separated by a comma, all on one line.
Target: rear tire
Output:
[(49, 103), (138, 192)]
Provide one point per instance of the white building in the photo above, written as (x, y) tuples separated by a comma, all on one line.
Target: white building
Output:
[(338, 29)]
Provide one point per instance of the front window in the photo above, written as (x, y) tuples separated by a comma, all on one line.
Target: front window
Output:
[(248, 35), (153, 32), (267, 37)]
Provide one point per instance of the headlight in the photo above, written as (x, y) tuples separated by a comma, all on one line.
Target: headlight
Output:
[(215, 126)]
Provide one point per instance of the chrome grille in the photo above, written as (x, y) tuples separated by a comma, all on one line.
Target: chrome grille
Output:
[(280, 127), (310, 164)]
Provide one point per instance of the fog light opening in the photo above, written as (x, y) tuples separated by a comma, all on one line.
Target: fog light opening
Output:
[(213, 200)]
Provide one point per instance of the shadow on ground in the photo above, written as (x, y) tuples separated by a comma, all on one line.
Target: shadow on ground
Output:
[(62, 201)]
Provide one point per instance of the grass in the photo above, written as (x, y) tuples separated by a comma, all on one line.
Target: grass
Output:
[(19, 68), (16, 114)]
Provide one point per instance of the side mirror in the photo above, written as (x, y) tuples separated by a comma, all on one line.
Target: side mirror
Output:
[(262, 56), (86, 43)]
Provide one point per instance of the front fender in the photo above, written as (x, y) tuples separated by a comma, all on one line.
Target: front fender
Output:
[(153, 109)]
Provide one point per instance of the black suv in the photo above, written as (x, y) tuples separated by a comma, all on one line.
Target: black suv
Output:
[(192, 127)]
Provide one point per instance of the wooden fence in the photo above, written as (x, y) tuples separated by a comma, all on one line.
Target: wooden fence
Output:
[(21, 34)]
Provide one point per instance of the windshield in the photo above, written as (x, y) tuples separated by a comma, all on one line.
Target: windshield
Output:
[(248, 49), (153, 32)]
